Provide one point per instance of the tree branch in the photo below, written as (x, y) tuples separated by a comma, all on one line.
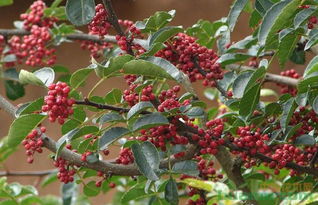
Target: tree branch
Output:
[(28, 173), (81, 36), (114, 21)]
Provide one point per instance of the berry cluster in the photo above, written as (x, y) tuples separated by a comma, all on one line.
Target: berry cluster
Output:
[(33, 47), (57, 104), (35, 16), (287, 89), (312, 21), (65, 173), (207, 172), (211, 138), (125, 156), (131, 97), (99, 25), (33, 143), (198, 62)]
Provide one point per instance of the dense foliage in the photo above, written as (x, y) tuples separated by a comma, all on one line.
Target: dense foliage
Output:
[(256, 147)]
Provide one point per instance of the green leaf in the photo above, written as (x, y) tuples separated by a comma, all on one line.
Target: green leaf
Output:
[(6, 2), (164, 34), (195, 112), (69, 191), (305, 140), (113, 97), (311, 67), (80, 12), (246, 43), (211, 93), (14, 90), (90, 189), (254, 19), (291, 131), (111, 135), (262, 6), (155, 67), (275, 19), (135, 193), (156, 22), (171, 192), (240, 84), (79, 77), (288, 110), (199, 184), (315, 105), (114, 64), (311, 80), (27, 77), (302, 16), (111, 117), (249, 101), (235, 11), (49, 179), (138, 108), (147, 159), (298, 57), (230, 58), (22, 126), (150, 120), (268, 92), (46, 75), (313, 40), (273, 109), (187, 167), (29, 107), (286, 48)]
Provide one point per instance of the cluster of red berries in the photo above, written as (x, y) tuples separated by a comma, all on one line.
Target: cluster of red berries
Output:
[(311, 22), (99, 25), (125, 156), (65, 172), (131, 97), (207, 171), (100, 182), (307, 117), (85, 155), (35, 16), (33, 143), (198, 62), (200, 201), (33, 47), (210, 139), (253, 62), (57, 104), (285, 88)]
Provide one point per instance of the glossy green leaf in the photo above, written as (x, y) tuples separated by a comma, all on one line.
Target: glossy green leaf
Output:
[(235, 11), (113, 97), (275, 19), (138, 108), (286, 48), (171, 192), (46, 75), (147, 159), (195, 112), (114, 64), (29, 107), (249, 101), (80, 12), (111, 135), (27, 77), (164, 34), (187, 167), (79, 77), (90, 189), (135, 193), (262, 6), (313, 40), (302, 16), (14, 89), (311, 67), (288, 110), (305, 140), (22, 126), (157, 21), (111, 117), (230, 58), (150, 120), (240, 84)]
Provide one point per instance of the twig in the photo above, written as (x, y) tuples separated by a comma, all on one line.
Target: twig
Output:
[(27, 173), (114, 21)]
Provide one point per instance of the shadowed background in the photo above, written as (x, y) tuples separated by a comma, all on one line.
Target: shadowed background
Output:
[(71, 56)]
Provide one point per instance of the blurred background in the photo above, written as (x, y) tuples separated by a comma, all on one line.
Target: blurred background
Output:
[(73, 57)]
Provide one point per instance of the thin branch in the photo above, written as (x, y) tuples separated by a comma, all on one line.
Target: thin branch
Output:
[(112, 17), (28, 173), (103, 166), (269, 77), (80, 36)]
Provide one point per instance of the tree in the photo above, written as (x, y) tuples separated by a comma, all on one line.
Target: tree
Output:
[(170, 141)]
